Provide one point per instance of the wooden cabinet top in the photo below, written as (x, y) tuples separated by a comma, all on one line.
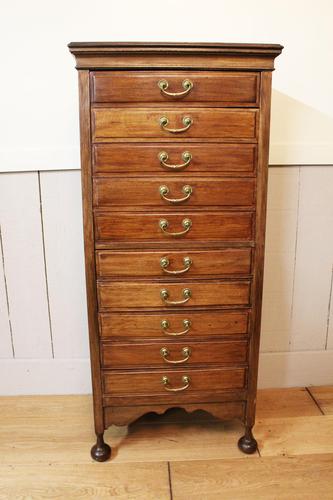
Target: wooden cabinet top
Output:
[(101, 55)]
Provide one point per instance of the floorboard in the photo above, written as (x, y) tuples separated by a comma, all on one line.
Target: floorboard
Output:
[(263, 478), (281, 403), (45, 443), (324, 398), (295, 436), (147, 481)]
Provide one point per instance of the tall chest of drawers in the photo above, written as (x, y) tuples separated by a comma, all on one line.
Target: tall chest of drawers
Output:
[(174, 151)]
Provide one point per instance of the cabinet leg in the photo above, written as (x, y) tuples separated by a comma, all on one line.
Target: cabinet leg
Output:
[(247, 443), (100, 451)]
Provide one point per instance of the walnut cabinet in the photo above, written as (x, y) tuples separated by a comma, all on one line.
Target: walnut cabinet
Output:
[(174, 152)]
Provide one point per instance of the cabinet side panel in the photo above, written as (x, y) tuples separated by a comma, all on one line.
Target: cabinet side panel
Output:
[(262, 174), (85, 139)]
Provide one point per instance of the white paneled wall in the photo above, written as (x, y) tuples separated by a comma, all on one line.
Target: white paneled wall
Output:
[(6, 345), (63, 237), (24, 265), (314, 265), (43, 322), (281, 230)]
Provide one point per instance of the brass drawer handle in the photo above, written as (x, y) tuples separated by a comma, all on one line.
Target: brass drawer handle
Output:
[(186, 84), (186, 223), (187, 121), (163, 156), (187, 190), (164, 262), (165, 325), (185, 380), (165, 297), (186, 352)]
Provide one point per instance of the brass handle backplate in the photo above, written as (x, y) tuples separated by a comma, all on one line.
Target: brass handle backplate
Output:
[(165, 297), (186, 84), (164, 263), (166, 383), (163, 157), (187, 122), (186, 352), (186, 223), (165, 325), (164, 190)]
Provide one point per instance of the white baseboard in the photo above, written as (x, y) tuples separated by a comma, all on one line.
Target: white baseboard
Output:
[(72, 376), (44, 376), (295, 369)]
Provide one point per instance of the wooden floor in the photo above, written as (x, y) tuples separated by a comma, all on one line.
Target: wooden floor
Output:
[(45, 443)]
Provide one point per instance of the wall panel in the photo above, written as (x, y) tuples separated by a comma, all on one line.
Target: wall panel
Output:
[(314, 259), (62, 220), (282, 213), (6, 349), (22, 240), (329, 338)]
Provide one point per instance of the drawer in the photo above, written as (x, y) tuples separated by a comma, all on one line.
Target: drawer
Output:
[(146, 158), (117, 383), (145, 123), (168, 354), (229, 261), (170, 295), (174, 227), (226, 88), (173, 325), (173, 191)]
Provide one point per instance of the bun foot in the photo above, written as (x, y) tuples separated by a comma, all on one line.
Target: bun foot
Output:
[(100, 451), (247, 444)]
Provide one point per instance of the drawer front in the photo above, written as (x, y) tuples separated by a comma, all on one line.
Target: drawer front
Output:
[(128, 294), (173, 325), (229, 261), (174, 227), (143, 86), (145, 123), (169, 354), (117, 383), (204, 158), (173, 191)]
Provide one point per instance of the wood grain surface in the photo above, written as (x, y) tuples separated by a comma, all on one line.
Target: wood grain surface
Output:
[(86, 481), (263, 478), (89, 238), (52, 460), (205, 226), (229, 261), (148, 325), (207, 158), (150, 382), (134, 354), (142, 192), (223, 87), (324, 396), (145, 123), (140, 294)]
